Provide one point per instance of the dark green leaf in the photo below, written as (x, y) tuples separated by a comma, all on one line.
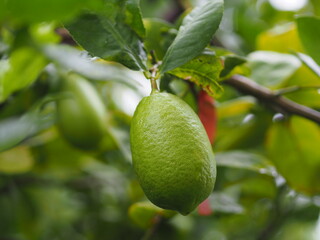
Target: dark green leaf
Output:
[(316, 7), (230, 62), (204, 71), (160, 35), (134, 17), (39, 11), (194, 34), (309, 28), (101, 37)]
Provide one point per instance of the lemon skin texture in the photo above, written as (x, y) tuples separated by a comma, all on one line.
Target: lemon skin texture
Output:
[(81, 115), (171, 153)]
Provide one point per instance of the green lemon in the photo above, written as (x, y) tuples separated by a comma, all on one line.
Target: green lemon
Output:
[(81, 115), (171, 153)]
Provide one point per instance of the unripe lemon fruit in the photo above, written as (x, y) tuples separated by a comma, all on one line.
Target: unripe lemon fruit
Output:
[(171, 153), (82, 115)]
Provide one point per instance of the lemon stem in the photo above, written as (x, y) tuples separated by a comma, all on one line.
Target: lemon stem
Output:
[(153, 79)]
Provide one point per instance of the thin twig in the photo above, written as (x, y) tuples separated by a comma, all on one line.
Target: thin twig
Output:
[(248, 86)]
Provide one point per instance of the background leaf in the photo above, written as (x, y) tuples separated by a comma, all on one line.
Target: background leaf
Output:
[(282, 38), (293, 146), (245, 160), (309, 28), (16, 160), (16, 129), (221, 202), (194, 34), (272, 69), (75, 60), (20, 70), (38, 11)]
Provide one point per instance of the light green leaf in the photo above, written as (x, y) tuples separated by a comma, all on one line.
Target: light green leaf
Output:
[(16, 129), (245, 160), (204, 71), (271, 68), (22, 68), (293, 146), (235, 107), (309, 28), (16, 160), (194, 34), (310, 63), (72, 59), (310, 96), (101, 37), (282, 38)]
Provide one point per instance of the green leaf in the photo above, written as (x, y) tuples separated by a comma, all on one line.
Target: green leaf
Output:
[(309, 28), (16, 160), (316, 7), (40, 11), (230, 63), (134, 17), (245, 160), (20, 70), (194, 34), (271, 68), (293, 146), (235, 107), (310, 63), (258, 187), (282, 38), (72, 59), (14, 130), (303, 77), (61, 160), (204, 71), (160, 35), (221, 202), (111, 41)]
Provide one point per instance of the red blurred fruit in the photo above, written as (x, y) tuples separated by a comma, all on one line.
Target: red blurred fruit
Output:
[(208, 116)]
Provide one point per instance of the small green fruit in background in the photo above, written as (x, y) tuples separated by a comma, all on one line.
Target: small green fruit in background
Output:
[(82, 116), (171, 153), (144, 214)]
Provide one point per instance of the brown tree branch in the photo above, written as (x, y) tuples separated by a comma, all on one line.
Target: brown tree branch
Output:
[(267, 96)]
